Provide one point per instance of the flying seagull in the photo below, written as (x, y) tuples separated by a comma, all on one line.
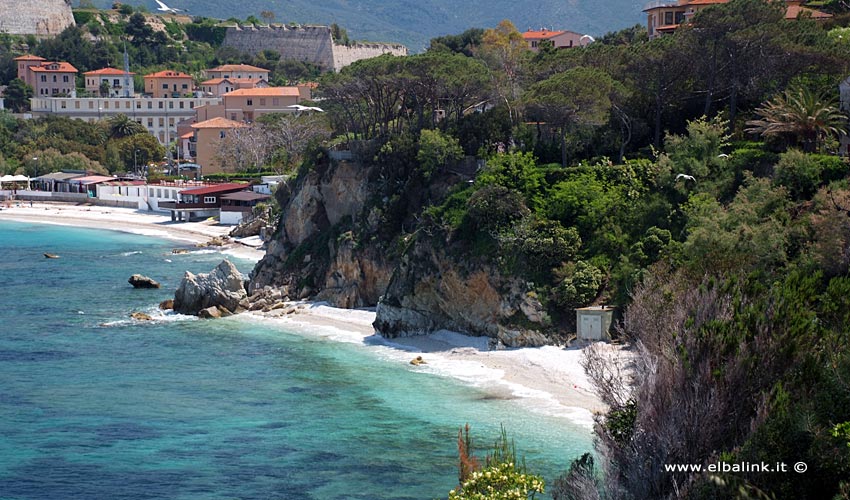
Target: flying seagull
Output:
[(686, 177), (298, 107), (165, 8)]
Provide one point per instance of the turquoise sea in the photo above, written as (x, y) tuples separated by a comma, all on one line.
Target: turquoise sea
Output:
[(96, 406)]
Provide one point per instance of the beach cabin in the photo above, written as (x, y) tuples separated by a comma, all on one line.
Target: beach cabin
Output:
[(237, 207), (201, 202), (88, 184), (594, 323), (56, 182)]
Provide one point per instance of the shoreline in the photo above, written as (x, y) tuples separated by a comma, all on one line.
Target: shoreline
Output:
[(549, 378), (127, 220)]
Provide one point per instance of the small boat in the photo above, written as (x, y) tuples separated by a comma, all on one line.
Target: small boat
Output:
[(51, 256)]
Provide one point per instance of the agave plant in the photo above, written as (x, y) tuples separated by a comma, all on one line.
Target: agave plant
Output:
[(801, 116)]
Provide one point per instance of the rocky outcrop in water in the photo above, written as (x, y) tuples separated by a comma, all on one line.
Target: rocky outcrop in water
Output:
[(139, 281), (222, 288)]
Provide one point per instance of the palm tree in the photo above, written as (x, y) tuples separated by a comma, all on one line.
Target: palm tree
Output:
[(801, 116), (122, 125)]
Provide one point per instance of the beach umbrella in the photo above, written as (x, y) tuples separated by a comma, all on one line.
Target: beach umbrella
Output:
[(5, 178)]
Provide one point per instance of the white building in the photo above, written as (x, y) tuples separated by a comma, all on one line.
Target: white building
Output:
[(158, 116)]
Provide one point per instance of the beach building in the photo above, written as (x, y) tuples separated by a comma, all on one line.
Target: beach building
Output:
[(168, 84), (47, 78), (217, 87), (239, 72), (160, 116), (149, 197), (206, 139), (246, 105), (560, 39), (118, 83), (201, 202), (664, 16), (594, 323), (238, 207)]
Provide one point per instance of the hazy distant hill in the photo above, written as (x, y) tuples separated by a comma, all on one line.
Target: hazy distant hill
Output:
[(414, 22)]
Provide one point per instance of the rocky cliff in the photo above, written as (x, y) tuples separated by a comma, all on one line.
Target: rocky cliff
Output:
[(350, 234), (43, 18), (314, 252)]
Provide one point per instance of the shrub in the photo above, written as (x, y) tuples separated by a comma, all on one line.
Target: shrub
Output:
[(545, 243), (580, 285), (493, 208), (799, 172)]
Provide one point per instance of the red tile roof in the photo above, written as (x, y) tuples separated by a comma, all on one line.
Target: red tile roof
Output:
[(54, 67), (219, 188), (168, 74), (265, 92), (238, 67), (107, 71), (795, 10), (29, 57), (540, 35), (218, 122)]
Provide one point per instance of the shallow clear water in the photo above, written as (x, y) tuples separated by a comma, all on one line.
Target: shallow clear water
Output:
[(93, 405)]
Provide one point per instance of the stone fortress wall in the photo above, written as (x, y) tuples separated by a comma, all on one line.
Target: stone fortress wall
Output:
[(41, 18), (313, 44)]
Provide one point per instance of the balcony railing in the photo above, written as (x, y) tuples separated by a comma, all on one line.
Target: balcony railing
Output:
[(660, 3)]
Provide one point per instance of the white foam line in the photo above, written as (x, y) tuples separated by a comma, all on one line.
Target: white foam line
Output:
[(469, 372)]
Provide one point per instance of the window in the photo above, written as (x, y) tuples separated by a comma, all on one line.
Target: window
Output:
[(43, 78), (91, 104), (262, 101), (680, 17), (116, 82), (76, 104), (191, 105), (150, 122), (533, 44), (668, 18), (150, 191), (164, 86), (181, 104), (161, 105), (138, 105), (126, 104), (161, 121), (159, 193), (170, 104), (185, 86), (250, 102), (209, 199), (54, 79), (275, 101), (150, 105), (65, 78), (105, 104)]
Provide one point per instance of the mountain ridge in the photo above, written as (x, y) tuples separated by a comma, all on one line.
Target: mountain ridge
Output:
[(414, 23)]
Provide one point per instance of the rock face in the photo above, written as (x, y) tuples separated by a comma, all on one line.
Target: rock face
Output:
[(223, 288), (432, 291), (308, 259), (139, 281), (42, 18), (350, 234)]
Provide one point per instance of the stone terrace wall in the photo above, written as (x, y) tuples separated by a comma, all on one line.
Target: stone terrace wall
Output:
[(345, 55), (41, 18), (311, 44)]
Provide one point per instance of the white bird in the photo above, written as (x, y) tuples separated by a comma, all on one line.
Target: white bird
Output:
[(686, 177), (298, 107), (723, 155), (165, 8)]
